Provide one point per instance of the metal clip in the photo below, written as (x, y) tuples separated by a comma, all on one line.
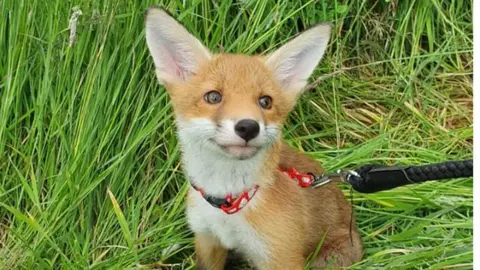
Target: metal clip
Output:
[(321, 180), (338, 176)]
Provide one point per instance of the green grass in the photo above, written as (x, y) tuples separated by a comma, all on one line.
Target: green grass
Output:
[(89, 163)]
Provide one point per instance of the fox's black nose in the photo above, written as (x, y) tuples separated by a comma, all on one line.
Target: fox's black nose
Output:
[(247, 129)]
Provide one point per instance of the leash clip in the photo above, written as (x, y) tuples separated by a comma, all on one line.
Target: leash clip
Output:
[(321, 180), (338, 176)]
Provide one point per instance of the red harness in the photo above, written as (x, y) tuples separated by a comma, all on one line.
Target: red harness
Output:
[(231, 205)]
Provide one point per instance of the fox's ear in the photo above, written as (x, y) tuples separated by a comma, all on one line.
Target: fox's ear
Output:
[(294, 62), (176, 53)]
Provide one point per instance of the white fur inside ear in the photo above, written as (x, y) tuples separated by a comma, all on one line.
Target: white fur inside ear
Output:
[(295, 61), (176, 53)]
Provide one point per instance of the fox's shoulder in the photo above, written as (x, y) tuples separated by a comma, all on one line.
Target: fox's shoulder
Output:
[(293, 158)]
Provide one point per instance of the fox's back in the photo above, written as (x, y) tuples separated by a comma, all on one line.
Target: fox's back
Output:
[(320, 208)]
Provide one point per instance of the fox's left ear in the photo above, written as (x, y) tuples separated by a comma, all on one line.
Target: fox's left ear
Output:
[(294, 62), (177, 54)]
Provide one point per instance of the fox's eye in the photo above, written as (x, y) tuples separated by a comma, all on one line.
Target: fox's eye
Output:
[(265, 102), (213, 97)]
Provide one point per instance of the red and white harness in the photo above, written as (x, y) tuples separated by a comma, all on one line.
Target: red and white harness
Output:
[(231, 205)]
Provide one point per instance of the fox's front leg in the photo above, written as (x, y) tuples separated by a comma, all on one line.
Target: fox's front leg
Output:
[(280, 263), (210, 255), (283, 257)]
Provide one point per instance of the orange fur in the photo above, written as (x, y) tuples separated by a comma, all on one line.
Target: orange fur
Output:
[(288, 221), (241, 79), (294, 220), (209, 253), (301, 217)]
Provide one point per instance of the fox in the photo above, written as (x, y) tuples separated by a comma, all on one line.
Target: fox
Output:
[(229, 112)]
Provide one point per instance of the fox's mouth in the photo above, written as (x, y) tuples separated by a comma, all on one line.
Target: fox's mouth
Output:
[(241, 151), (244, 151)]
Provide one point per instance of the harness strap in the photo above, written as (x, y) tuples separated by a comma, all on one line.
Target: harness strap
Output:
[(367, 179), (229, 204)]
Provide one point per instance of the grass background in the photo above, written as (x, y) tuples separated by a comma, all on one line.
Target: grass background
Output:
[(89, 164)]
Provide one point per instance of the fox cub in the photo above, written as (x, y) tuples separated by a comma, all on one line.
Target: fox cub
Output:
[(229, 111)]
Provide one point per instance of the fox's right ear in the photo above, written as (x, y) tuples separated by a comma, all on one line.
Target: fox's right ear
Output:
[(177, 54)]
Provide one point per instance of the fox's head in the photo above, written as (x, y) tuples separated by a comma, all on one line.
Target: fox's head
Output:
[(233, 105)]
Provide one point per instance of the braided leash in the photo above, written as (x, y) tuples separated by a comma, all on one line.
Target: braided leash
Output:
[(374, 178)]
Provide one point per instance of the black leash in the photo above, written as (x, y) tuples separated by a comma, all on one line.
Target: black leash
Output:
[(373, 178)]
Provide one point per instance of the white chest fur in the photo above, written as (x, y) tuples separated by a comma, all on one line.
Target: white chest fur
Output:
[(233, 231), (218, 178), (218, 175)]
